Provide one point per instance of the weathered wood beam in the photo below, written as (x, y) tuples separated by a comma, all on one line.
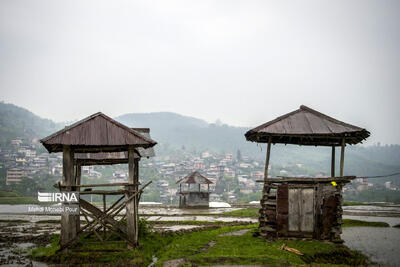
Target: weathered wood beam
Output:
[(136, 182), (342, 157), (102, 216), (333, 162), (102, 185), (267, 158), (306, 179), (68, 221), (78, 176), (131, 202), (103, 192)]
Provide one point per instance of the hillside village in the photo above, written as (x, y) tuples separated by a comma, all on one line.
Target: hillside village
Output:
[(234, 177)]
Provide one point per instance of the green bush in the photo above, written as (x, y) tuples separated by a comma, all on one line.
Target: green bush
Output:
[(145, 228)]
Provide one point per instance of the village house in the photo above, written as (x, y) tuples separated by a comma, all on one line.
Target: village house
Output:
[(15, 175)]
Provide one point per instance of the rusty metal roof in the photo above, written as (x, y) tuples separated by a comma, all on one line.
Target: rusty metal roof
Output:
[(194, 178), (307, 126), (96, 133)]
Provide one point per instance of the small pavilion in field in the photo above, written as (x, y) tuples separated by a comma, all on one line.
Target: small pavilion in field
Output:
[(304, 207), (100, 140), (191, 193)]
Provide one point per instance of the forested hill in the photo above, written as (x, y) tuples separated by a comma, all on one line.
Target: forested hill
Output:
[(19, 122), (173, 131)]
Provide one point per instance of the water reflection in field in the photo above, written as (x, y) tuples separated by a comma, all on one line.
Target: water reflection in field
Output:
[(381, 244)]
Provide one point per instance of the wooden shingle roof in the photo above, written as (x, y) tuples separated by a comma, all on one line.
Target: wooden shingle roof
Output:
[(307, 126), (96, 133), (105, 158), (194, 178)]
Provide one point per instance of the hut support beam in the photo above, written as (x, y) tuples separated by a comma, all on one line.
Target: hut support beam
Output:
[(131, 204), (136, 186), (267, 159), (68, 222), (78, 175), (333, 162), (342, 157)]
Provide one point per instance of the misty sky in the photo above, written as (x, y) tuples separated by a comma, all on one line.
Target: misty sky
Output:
[(243, 62)]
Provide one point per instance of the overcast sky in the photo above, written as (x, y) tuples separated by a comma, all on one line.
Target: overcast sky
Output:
[(243, 62)]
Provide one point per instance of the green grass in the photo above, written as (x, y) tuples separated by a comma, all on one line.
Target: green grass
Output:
[(397, 226), (13, 198), (358, 223), (192, 222), (18, 200), (8, 194), (194, 247), (249, 212), (246, 249)]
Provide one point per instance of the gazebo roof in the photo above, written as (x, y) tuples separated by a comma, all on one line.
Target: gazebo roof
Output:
[(194, 178), (103, 158), (96, 133), (306, 126)]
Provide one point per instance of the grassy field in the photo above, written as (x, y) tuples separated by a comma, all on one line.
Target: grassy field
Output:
[(12, 198), (358, 223), (202, 248)]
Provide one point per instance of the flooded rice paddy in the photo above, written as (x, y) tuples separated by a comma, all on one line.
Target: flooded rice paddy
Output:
[(19, 231)]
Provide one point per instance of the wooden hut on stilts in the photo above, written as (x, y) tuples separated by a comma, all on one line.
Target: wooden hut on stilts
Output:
[(304, 207), (191, 194), (98, 140)]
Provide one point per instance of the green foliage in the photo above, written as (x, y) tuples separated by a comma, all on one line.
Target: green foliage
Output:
[(47, 251), (13, 198), (200, 248), (358, 223), (8, 194), (191, 222), (19, 122), (145, 228)]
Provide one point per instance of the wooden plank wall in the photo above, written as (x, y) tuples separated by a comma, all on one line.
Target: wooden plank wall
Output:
[(282, 209)]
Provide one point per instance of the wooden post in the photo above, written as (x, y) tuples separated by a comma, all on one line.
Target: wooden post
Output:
[(342, 157), (199, 187), (78, 174), (130, 205), (104, 210), (68, 222), (333, 162), (267, 159), (136, 176)]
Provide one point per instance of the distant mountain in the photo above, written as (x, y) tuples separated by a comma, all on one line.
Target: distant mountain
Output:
[(19, 122), (173, 131), (176, 131)]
